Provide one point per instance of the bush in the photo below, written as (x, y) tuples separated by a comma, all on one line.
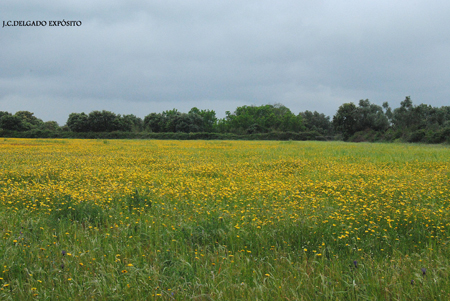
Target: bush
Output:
[(417, 136), (366, 136), (446, 134), (38, 133), (435, 137)]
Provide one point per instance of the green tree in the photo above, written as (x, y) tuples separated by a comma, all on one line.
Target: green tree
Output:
[(155, 122), (78, 122), (196, 122), (209, 119), (3, 113), (253, 119), (170, 120), (104, 121), (50, 125), (345, 120), (315, 121), (29, 120), (403, 117), (132, 123), (12, 123), (370, 116), (387, 111)]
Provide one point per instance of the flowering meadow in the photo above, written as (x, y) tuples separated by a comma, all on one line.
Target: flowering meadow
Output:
[(223, 220)]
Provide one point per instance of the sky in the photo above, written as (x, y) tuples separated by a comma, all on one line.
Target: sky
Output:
[(143, 56)]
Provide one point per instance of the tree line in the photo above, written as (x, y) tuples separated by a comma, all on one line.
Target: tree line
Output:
[(411, 123), (363, 122)]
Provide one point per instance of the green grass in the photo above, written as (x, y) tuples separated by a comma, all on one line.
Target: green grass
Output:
[(149, 247)]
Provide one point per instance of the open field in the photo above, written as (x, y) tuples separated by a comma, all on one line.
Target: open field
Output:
[(223, 220)]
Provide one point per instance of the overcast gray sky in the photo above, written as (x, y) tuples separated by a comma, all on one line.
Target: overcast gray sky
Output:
[(138, 57)]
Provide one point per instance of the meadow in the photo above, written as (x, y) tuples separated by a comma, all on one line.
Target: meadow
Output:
[(223, 220)]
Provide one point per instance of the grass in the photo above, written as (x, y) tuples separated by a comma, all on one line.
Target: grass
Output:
[(223, 220)]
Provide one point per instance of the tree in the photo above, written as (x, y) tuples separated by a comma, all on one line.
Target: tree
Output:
[(196, 122), (186, 123), (50, 125), (3, 113), (222, 125), (209, 119), (131, 123), (154, 122), (78, 122), (12, 123), (263, 119), (315, 121), (169, 120), (370, 116), (345, 120), (350, 119), (403, 117), (103, 121), (388, 111), (20, 121), (29, 120)]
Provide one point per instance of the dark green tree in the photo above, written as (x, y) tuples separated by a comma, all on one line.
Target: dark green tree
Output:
[(196, 122), (51, 126), (404, 118), (131, 123), (103, 121), (371, 117), (315, 121), (345, 120), (3, 113), (387, 111), (78, 122), (209, 119), (186, 123), (29, 120), (170, 118), (13, 123), (264, 118), (154, 122)]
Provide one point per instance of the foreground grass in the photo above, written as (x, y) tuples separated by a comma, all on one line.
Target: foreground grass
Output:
[(221, 220)]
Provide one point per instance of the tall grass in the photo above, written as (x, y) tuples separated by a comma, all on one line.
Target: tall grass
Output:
[(222, 220)]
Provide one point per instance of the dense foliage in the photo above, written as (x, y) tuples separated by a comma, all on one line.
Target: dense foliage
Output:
[(363, 122)]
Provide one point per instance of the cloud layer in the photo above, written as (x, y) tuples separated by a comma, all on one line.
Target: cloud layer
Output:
[(140, 57)]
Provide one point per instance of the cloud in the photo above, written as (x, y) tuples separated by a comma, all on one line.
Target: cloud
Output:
[(143, 56)]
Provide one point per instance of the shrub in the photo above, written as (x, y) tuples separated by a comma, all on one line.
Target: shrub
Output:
[(417, 136)]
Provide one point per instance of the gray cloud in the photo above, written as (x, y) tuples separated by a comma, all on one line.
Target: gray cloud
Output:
[(140, 57)]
